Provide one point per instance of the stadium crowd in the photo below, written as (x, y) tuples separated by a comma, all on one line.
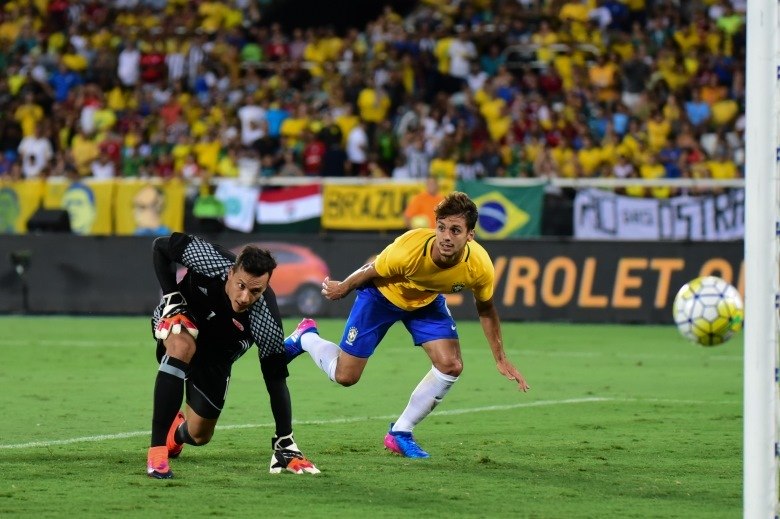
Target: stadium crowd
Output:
[(458, 89)]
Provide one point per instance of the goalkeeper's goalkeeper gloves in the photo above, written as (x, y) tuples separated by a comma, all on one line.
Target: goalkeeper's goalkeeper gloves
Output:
[(174, 316), (287, 456)]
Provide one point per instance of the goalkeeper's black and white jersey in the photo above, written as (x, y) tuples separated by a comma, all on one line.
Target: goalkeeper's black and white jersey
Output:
[(224, 335)]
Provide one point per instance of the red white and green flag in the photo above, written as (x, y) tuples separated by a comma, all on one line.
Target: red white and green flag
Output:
[(281, 205)]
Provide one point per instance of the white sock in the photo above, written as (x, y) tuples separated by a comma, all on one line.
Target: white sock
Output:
[(324, 353), (425, 397)]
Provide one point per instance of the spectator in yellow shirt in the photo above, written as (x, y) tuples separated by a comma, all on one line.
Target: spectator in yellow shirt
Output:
[(207, 150), (28, 114), (589, 157), (653, 169), (373, 103), (292, 128), (443, 167), (84, 149), (544, 38), (658, 131), (722, 167)]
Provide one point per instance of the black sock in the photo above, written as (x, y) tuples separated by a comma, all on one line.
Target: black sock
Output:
[(168, 395), (182, 435)]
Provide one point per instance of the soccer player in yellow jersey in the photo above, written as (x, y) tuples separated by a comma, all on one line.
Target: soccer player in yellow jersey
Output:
[(405, 283)]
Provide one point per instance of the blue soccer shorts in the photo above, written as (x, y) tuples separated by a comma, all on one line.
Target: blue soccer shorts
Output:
[(372, 315)]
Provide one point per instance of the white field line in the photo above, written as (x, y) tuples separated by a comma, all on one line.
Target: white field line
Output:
[(445, 412)]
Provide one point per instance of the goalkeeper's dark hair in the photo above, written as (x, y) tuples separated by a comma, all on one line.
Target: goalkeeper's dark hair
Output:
[(255, 261), (458, 204)]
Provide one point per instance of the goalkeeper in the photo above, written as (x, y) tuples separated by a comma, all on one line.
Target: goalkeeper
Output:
[(203, 324)]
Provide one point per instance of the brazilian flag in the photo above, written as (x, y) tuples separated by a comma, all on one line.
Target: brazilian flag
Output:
[(506, 212)]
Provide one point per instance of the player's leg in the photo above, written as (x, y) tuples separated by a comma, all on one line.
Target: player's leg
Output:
[(434, 329), (207, 388), (339, 366), (194, 429), (174, 355), (369, 319)]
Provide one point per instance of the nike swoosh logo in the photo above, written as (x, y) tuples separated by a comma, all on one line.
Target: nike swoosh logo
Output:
[(212, 314), (204, 290)]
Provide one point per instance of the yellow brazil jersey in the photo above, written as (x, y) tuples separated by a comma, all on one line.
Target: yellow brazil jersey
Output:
[(345, 124), (654, 171), (373, 107), (28, 115), (724, 111), (443, 168), (590, 160), (207, 153), (441, 53), (722, 170), (292, 128), (410, 279)]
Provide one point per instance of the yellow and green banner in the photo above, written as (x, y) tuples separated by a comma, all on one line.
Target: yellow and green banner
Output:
[(506, 212), (18, 201), (88, 203), (149, 207)]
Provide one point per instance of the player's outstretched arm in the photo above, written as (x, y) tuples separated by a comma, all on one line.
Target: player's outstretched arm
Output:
[(334, 290), (491, 326), (164, 264)]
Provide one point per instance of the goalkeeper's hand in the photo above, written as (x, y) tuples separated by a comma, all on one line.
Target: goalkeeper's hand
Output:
[(287, 456), (174, 317)]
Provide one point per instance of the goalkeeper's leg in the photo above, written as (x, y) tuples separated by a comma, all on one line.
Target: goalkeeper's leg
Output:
[(168, 396)]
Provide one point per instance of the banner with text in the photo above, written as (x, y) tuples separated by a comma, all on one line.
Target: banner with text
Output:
[(536, 280), (18, 201), (506, 212), (603, 215), (366, 208)]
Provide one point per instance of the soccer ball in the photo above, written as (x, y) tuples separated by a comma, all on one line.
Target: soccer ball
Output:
[(708, 310)]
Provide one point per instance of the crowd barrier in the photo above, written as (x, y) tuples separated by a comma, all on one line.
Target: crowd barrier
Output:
[(509, 208)]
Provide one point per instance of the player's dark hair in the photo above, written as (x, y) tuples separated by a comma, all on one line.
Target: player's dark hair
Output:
[(458, 204), (255, 261)]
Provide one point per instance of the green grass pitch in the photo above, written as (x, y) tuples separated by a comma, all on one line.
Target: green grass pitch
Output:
[(620, 422)]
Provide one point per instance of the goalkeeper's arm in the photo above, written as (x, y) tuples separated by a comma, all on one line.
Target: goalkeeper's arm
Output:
[(164, 264), (174, 315)]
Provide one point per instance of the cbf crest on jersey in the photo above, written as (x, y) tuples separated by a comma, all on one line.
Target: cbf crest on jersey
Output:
[(457, 287), (352, 335), (506, 211)]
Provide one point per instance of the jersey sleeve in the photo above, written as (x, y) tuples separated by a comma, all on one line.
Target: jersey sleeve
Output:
[(484, 277), (266, 326), (201, 256), (393, 260)]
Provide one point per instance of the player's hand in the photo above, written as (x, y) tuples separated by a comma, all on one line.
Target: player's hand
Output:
[(333, 289), (175, 318), (507, 369)]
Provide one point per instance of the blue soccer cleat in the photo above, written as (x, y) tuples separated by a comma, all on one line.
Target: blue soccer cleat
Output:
[(292, 344), (403, 444)]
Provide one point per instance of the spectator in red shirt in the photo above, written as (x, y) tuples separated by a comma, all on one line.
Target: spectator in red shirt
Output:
[(313, 152)]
